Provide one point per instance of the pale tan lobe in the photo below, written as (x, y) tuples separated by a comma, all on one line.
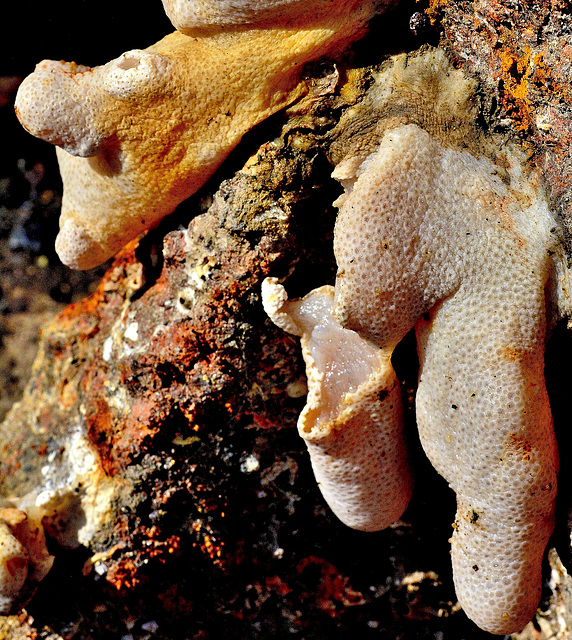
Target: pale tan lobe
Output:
[(142, 133), (352, 422), (447, 245)]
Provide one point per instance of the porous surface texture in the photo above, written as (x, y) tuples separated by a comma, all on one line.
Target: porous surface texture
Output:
[(191, 16), (187, 15), (435, 231), (217, 528), (138, 135), (469, 253), (352, 422)]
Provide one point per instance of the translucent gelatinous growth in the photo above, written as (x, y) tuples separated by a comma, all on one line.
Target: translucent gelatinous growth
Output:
[(352, 422), (467, 252)]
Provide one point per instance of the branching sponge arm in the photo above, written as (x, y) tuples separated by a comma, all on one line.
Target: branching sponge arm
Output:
[(142, 133), (448, 245)]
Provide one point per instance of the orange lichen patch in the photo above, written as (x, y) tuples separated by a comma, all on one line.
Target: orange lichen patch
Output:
[(520, 445), (160, 549), (212, 549), (515, 91), (434, 7), (513, 45)]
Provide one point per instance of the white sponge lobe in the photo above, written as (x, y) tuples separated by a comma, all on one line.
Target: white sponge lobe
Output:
[(465, 251), (189, 15), (51, 106), (352, 422), (76, 248)]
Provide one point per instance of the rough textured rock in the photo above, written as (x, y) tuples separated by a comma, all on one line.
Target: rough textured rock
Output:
[(522, 51), (213, 523)]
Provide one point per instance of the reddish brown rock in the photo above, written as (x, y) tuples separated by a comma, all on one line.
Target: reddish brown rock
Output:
[(522, 52), (167, 401)]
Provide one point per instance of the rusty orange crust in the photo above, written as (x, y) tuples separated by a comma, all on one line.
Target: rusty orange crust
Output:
[(524, 55), (519, 445), (520, 68)]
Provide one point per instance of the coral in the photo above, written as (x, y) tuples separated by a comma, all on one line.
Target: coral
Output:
[(469, 253), (141, 133)]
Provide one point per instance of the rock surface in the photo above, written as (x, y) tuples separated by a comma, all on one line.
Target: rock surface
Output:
[(523, 54), (164, 404)]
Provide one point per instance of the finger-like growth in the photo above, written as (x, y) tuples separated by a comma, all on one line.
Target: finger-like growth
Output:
[(352, 422), (466, 251), (188, 16), (143, 132)]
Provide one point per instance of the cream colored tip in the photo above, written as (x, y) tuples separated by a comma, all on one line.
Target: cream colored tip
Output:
[(76, 248), (134, 73), (274, 297), (198, 14), (352, 421), (47, 106)]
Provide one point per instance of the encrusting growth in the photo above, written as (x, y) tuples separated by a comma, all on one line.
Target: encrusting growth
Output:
[(141, 133)]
